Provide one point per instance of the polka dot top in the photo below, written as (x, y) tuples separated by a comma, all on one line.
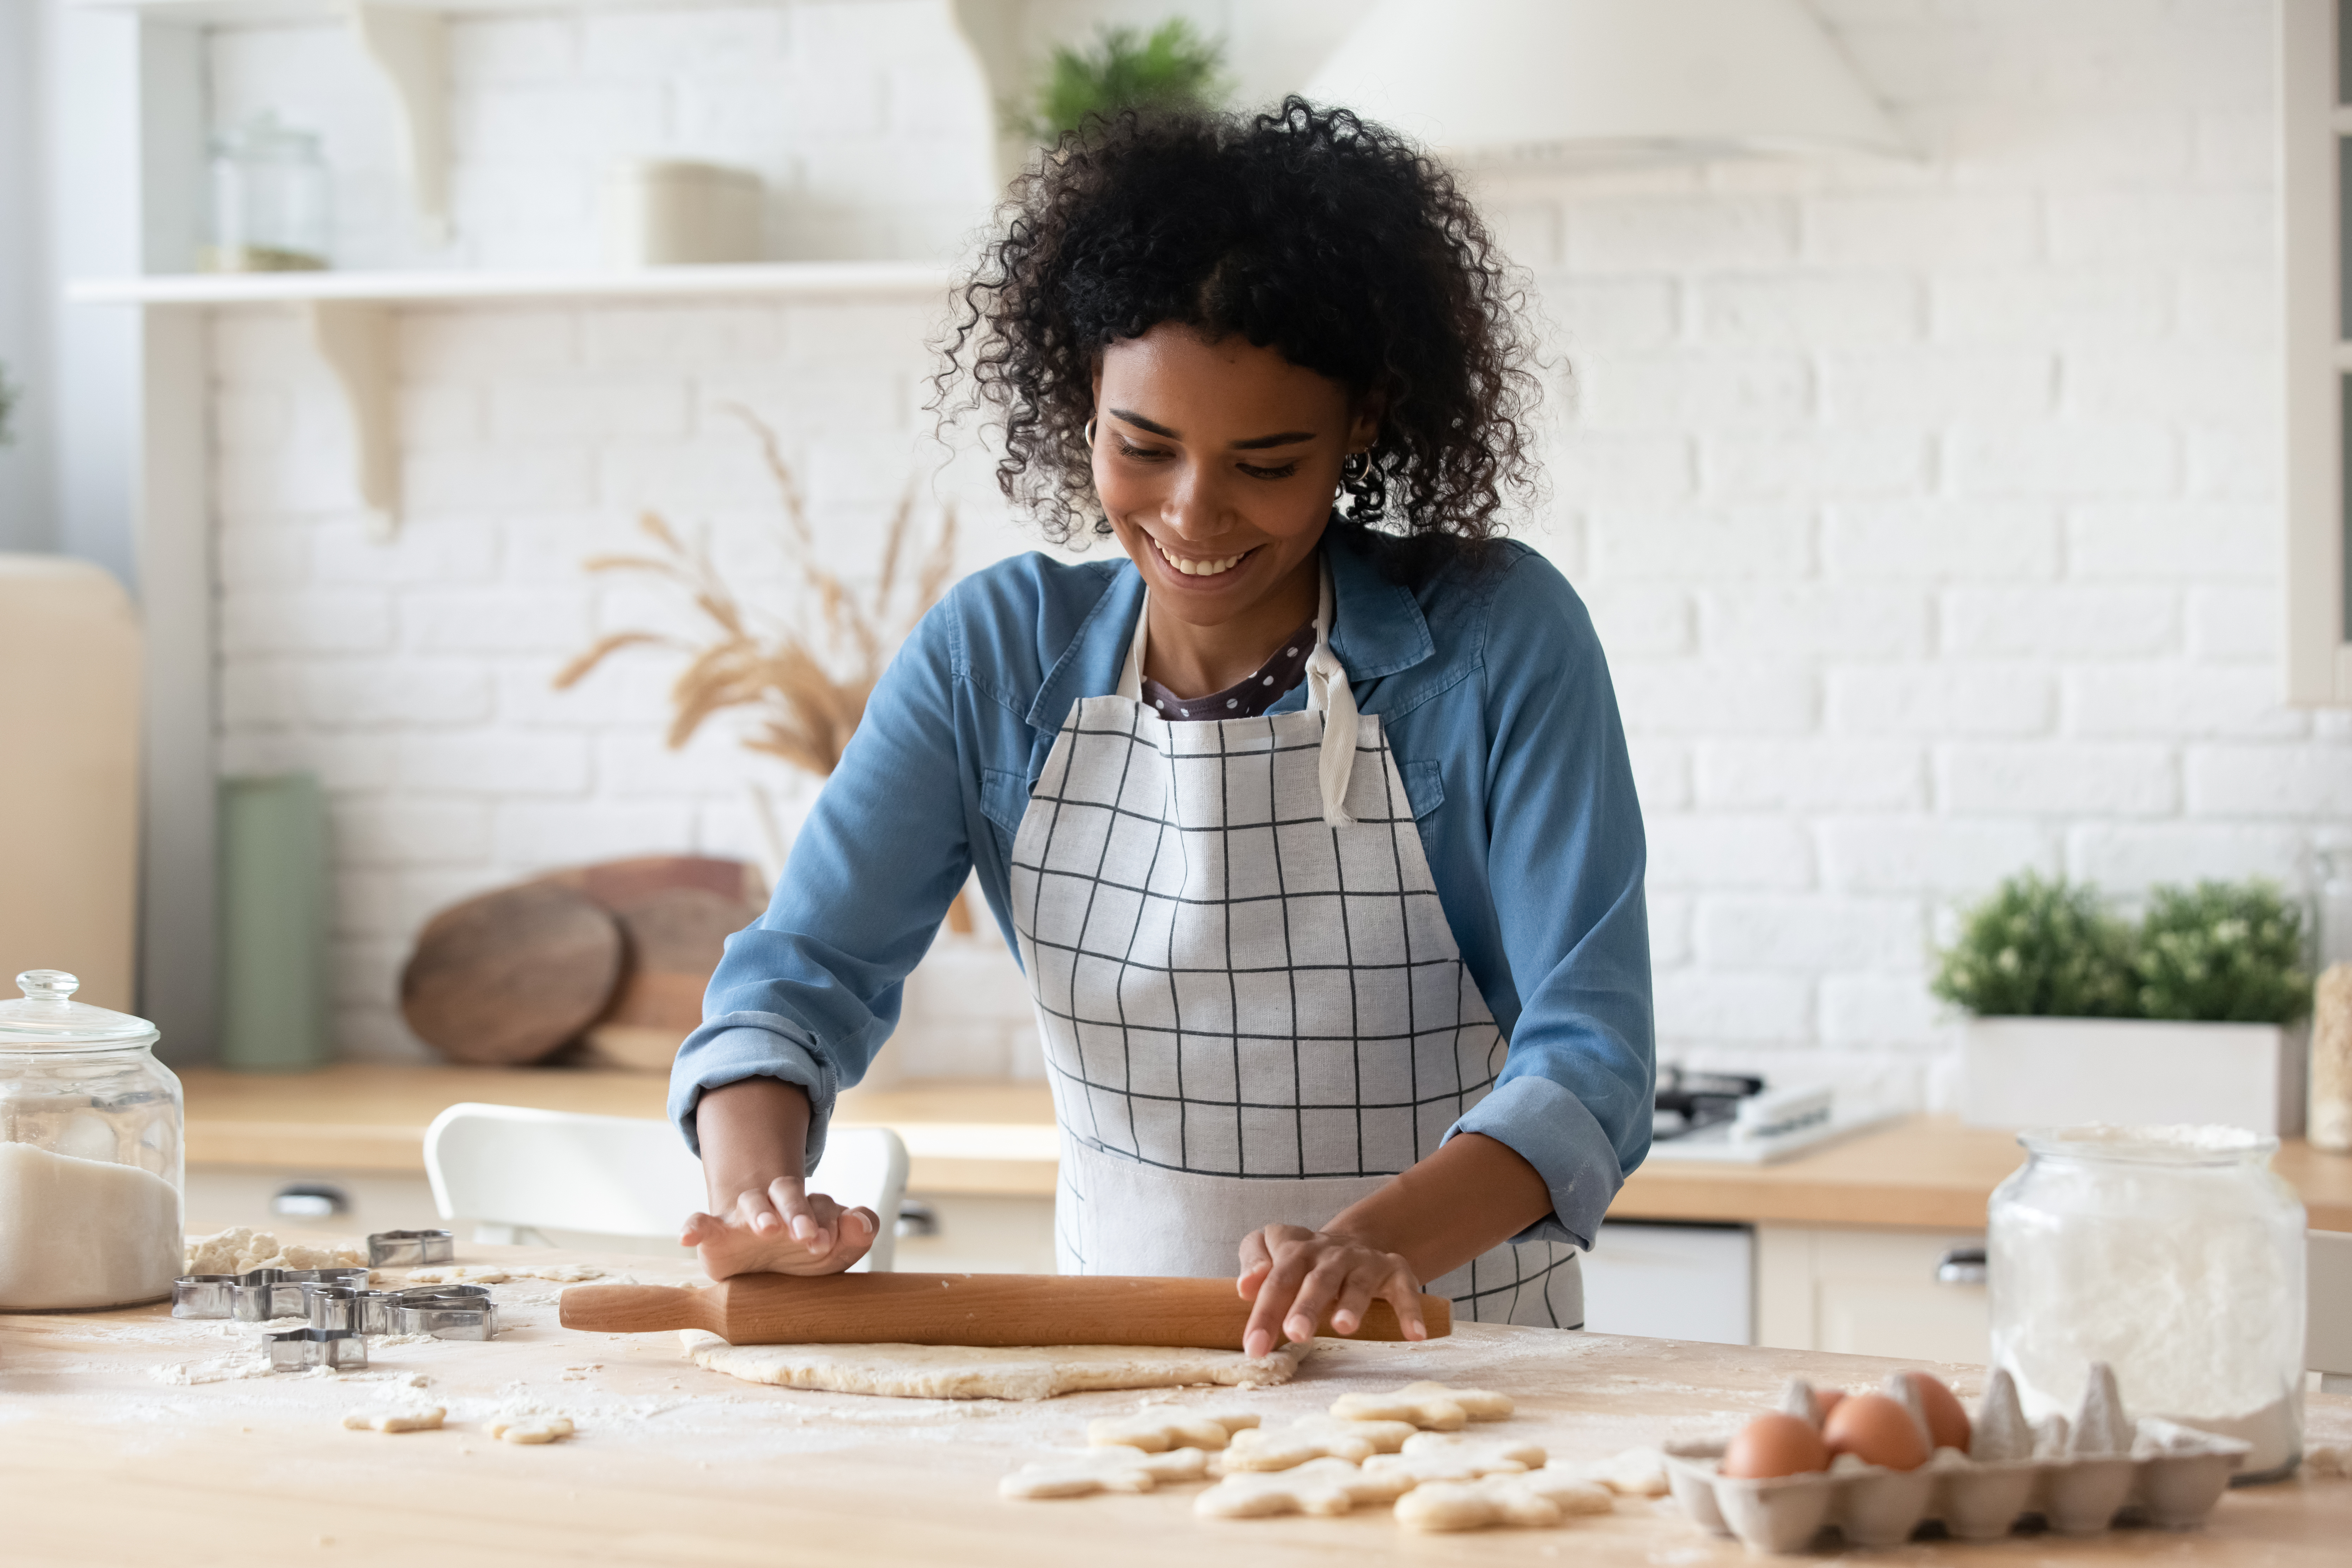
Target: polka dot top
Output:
[(1253, 697)]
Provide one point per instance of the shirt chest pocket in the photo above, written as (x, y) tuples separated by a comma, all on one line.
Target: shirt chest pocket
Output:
[(1004, 799), (1424, 787)]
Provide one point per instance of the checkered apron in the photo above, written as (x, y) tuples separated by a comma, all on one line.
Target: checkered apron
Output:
[(1254, 1011)]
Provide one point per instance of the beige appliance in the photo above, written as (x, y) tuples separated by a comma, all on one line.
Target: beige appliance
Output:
[(69, 774)]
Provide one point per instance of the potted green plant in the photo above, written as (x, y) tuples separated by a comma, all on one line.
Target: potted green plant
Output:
[(1173, 68), (2076, 1015)]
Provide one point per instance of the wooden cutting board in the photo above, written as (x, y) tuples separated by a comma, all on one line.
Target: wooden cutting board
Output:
[(508, 978), (953, 1310)]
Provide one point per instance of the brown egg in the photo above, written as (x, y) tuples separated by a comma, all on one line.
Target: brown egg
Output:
[(1826, 1400), (1947, 1423), (1774, 1444), (1875, 1430)]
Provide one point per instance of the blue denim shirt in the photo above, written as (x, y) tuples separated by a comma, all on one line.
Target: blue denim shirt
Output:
[(1497, 701)]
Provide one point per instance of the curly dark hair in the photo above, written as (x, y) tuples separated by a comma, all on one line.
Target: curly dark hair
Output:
[(1326, 237)]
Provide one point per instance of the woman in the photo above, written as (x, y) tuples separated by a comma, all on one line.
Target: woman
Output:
[(1295, 817)]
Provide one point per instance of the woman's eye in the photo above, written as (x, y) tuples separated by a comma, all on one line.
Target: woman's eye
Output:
[(1128, 449), (1283, 472)]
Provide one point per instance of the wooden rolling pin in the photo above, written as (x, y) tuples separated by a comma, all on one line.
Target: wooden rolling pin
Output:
[(953, 1310)]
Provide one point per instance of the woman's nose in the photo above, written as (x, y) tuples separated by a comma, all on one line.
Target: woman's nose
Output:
[(1195, 509)]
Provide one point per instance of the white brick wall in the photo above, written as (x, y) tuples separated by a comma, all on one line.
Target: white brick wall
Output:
[(1928, 511)]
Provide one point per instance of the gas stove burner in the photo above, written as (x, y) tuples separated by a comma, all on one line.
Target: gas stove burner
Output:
[(1687, 1102)]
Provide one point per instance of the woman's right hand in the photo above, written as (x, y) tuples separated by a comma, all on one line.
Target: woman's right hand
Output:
[(780, 1228), (763, 1217)]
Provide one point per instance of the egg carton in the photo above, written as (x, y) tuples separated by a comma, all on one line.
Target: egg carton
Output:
[(2168, 1474)]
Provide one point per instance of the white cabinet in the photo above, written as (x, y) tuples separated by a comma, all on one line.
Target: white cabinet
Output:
[(1868, 1292), (1672, 1282), (222, 1195)]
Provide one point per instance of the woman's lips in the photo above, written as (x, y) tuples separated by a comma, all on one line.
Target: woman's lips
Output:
[(1199, 566)]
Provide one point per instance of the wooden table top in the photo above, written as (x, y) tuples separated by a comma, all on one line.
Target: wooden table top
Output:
[(1927, 1171), (107, 1461)]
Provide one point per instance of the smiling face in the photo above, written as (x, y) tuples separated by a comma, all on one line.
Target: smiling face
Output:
[(1217, 463)]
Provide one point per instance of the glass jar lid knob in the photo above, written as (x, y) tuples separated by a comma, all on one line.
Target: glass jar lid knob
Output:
[(48, 986)]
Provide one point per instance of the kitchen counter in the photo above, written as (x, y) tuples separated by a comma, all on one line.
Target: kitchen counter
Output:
[(1924, 1172), (673, 1465), (982, 1138)]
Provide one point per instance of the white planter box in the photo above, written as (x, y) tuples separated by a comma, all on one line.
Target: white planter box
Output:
[(2055, 1072)]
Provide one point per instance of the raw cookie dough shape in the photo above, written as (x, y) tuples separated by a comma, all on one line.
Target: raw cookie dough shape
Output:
[(387, 1419), (956, 1371), (1157, 1428), (1431, 1405), (1319, 1485), (1431, 1457), (463, 1274), (1636, 1473), (1315, 1437), (1537, 1498), (531, 1428), (1113, 1468)]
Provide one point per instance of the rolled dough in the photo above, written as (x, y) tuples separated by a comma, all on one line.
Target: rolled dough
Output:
[(954, 1372)]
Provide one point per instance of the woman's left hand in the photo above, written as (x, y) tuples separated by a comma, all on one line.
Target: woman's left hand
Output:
[(1296, 1276)]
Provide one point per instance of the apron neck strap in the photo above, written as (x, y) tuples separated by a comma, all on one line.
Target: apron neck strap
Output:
[(1327, 693)]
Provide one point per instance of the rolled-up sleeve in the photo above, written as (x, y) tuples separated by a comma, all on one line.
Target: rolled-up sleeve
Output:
[(1566, 861), (809, 992)]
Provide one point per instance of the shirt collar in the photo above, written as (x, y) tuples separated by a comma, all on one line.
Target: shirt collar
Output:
[(1377, 629)]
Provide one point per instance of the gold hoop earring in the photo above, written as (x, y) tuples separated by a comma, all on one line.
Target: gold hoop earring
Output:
[(1090, 434)]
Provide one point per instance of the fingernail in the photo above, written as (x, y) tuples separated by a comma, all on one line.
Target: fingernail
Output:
[(804, 1227), (1344, 1321), (763, 1222)]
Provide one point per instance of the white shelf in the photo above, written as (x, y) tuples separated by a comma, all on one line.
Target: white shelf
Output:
[(350, 318), (897, 279), (264, 12)]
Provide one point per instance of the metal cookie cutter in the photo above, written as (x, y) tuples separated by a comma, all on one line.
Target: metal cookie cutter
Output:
[(265, 1293), (258, 1296), (202, 1295), (298, 1350), (347, 1309), (408, 1248), (446, 1312)]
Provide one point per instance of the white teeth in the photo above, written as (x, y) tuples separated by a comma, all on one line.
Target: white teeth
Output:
[(1197, 568)]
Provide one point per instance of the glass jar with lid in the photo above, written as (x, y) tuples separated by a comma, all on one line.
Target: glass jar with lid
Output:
[(90, 1154), (2172, 1254), (270, 200)]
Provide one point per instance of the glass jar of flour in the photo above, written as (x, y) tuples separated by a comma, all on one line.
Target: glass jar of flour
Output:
[(2173, 1255), (90, 1156)]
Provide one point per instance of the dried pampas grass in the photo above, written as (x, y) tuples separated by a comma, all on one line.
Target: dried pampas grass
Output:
[(804, 677)]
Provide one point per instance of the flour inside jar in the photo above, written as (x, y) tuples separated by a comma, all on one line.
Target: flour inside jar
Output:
[(78, 1233)]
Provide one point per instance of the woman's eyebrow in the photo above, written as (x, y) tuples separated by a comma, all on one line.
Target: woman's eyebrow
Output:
[(1255, 444)]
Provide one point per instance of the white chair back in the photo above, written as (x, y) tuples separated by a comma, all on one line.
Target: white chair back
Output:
[(522, 1169)]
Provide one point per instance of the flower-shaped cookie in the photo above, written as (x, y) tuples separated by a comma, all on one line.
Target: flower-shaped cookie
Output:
[(1431, 1405), (1533, 1498), (1314, 1437), (1430, 1457), (1105, 1469), (1636, 1473), (1157, 1428), (1319, 1485), (531, 1428)]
